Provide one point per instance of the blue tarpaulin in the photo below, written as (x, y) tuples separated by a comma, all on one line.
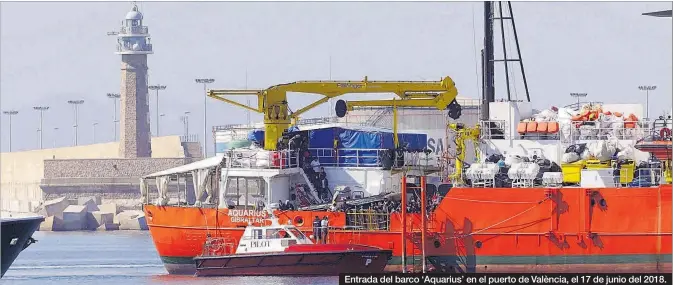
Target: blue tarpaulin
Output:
[(361, 140), (322, 138), (256, 136)]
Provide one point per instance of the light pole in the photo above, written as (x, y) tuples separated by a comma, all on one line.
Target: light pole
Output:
[(247, 101), (161, 117), (55, 136), (205, 82), (114, 97), (157, 88), (647, 89), (75, 104), (578, 96), (185, 124), (10, 113), (94, 132), (41, 109)]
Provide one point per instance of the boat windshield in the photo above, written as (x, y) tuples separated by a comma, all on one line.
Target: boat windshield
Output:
[(297, 233), (276, 233)]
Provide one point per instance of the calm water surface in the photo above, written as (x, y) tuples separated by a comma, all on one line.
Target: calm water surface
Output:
[(121, 257)]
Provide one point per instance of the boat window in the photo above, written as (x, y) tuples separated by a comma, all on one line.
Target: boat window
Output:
[(297, 233), (257, 234), (276, 233)]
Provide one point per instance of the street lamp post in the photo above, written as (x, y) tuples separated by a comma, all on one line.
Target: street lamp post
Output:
[(578, 96), (55, 136), (161, 117), (205, 82), (10, 113), (75, 104), (114, 97), (185, 124), (647, 89), (94, 132), (41, 109), (157, 88), (247, 101)]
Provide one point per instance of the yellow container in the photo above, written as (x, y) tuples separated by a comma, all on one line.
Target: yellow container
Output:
[(572, 171), (626, 172), (593, 164)]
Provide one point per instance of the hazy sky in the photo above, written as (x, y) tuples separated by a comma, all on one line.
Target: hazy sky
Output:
[(54, 52)]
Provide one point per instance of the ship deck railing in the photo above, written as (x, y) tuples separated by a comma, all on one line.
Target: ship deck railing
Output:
[(352, 157), (577, 131), (612, 176), (641, 177), (262, 159), (368, 220), (330, 157)]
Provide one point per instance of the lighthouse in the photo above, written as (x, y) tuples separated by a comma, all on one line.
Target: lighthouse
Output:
[(133, 44)]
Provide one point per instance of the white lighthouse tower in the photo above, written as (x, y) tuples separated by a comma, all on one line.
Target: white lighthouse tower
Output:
[(133, 44)]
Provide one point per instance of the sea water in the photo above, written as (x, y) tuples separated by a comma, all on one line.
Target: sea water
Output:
[(117, 257)]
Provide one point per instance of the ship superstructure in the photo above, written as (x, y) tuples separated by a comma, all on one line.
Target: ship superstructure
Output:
[(562, 190)]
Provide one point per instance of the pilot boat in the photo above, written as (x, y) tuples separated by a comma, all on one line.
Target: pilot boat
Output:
[(279, 249)]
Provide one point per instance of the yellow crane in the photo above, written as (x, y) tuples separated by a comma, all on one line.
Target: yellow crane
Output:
[(272, 102), (427, 100), (463, 133)]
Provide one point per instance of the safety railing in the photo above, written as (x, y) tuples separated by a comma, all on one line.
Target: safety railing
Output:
[(494, 129), (348, 157), (284, 159), (621, 178), (570, 132), (368, 219), (133, 30), (125, 48), (241, 127), (189, 138)]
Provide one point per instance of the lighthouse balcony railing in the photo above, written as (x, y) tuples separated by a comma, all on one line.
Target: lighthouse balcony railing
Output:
[(133, 30), (146, 48)]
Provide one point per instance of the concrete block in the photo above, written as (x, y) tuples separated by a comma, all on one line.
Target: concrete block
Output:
[(109, 208), (97, 218), (82, 200), (132, 220), (89, 203), (34, 206), (134, 224), (54, 207), (108, 227), (125, 215), (74, 218), (52, 223)]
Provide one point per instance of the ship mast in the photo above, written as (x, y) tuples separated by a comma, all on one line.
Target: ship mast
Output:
[(488, 56)]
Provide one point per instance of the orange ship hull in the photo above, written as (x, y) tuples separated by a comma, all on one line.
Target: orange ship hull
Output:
[(474, 230)]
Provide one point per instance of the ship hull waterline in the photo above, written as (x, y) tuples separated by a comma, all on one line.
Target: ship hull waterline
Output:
[(314, 263), (478, 230), (16, 236)]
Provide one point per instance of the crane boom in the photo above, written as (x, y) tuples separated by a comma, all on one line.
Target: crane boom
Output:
[(272, 102)]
